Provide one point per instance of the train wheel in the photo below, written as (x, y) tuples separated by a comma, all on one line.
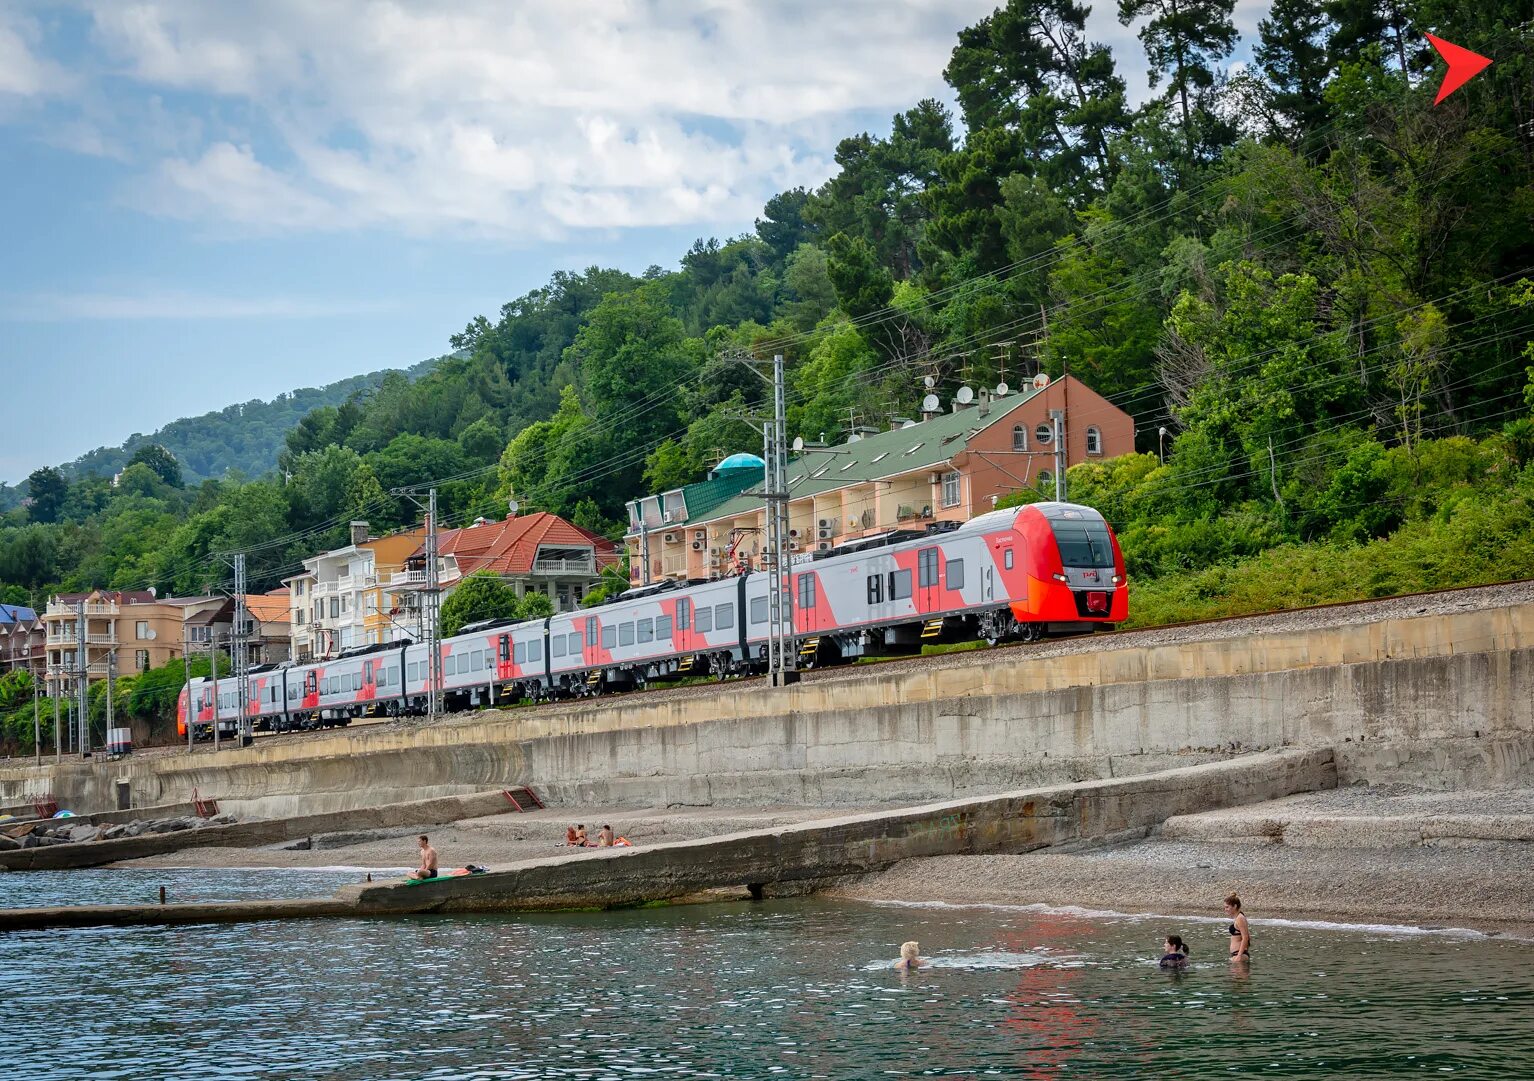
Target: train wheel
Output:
[(1031, 632)]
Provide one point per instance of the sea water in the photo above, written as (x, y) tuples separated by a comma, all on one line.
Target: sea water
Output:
[(781, 989)]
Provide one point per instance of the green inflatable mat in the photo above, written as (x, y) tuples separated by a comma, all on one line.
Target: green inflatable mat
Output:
[(461, 872)]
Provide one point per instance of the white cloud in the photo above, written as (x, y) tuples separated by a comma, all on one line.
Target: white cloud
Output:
[(516, 120), (22, 73), (524, 120), (67, 307)]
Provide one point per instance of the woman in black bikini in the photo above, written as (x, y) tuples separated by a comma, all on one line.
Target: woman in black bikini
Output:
[(1240, 932)]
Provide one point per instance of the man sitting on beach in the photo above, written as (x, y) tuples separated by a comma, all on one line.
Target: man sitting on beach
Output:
[(428, 868), (605, 837)]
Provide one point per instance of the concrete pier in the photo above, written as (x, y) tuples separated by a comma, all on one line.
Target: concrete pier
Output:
[(799, 855)]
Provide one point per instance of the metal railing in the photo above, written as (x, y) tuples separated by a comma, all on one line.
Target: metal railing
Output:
[(565, 566)]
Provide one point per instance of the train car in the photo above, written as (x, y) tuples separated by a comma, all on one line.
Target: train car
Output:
[(1021, 573)]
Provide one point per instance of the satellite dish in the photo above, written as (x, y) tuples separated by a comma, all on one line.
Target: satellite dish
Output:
[(153, 634), (965, 396), (909, 424), (1002, 390), (513, 506), (798, 442), (1041, 381), (854, 437), (928, 382), (929, 404)]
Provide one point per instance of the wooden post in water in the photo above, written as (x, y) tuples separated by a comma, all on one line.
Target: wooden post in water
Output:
[(162, 895)]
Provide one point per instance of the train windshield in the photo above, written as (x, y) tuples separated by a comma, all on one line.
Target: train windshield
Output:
[(1083, 544)]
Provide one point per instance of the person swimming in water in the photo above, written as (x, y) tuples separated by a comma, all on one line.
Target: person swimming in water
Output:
[(910, 957), (1240, 930), (1176, 955)]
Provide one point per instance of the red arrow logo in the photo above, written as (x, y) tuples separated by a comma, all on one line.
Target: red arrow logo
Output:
[(1464, 65)]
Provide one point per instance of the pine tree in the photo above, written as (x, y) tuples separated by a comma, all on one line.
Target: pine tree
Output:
[(1183, 39), (1292, 54)]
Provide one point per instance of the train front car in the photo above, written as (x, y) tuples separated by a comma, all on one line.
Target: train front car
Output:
[(181, 712), (1069, 577)]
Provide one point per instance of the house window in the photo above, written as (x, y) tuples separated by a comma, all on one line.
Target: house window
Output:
[(1044, 433), (335, 607), (806, 591), (1094, 441), (141, 630), (1045, 478), (1019, 438), (141, 659), (951, 489)]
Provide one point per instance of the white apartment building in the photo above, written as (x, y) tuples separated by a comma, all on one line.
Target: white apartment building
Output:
[(337, 603)]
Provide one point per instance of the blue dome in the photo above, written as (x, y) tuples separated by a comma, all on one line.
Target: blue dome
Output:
[(740, 461)]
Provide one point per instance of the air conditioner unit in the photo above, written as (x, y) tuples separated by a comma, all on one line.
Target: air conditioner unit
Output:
[(793, 532), (793, 546), (933, 478), (700, 534), (715, 552), (827, 523), (824, 534), (823, 546), (665, 516), (697, 546)]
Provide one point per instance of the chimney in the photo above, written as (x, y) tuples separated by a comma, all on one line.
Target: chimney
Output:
[(359, 532)]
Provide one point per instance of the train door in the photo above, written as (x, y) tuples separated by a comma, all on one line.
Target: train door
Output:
[(929, 595)]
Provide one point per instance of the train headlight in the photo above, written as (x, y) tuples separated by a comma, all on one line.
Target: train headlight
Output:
[(1058, 577), (1118, 579)]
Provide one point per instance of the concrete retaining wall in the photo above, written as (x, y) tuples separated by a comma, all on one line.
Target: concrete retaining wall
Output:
[(1441, 700)]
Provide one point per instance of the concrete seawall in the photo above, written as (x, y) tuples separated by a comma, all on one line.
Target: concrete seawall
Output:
[(1018, 821), (252, 834), (1441, 700)]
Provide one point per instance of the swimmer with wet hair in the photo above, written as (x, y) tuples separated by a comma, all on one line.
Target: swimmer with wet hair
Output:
[(910, 957), (1176, 955), (1240, 930)]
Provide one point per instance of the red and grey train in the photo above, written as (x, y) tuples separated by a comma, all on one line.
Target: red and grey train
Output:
[(1022, 573)]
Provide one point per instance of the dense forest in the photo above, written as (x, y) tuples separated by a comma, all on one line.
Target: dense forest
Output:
[(1318, 282)]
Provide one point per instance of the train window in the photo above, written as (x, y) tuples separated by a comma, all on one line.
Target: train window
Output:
[(1006, 558), (575, 645), (705, 621), (625, 634), (926, 567), (683, 613), (591, 632), (900, 585), (876, 589), (955, 573), (646, 629), (535, 651), (806, 590), (724, 617), (663, 627), (450, 665), (609, 637), (1083, 544), (557, 646), (413, 671), (505, 648), (519, 655), (758, 609)]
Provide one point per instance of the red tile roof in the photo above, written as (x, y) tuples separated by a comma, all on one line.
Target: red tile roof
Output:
[(507, 547), (118, 596)]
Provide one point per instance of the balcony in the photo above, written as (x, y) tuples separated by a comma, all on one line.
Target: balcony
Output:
[(407, 580), (65, 611), (584, 567)]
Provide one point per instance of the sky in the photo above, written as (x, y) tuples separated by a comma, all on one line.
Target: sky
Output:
[(208, 201)]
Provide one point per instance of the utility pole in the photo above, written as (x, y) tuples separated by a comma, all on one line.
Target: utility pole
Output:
[(238, 658), (55, 692), (82, 689), (37, 724), (213, 665), (1057, 419), (782, 662), (431, 596), (186, 687), (111, 665)]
